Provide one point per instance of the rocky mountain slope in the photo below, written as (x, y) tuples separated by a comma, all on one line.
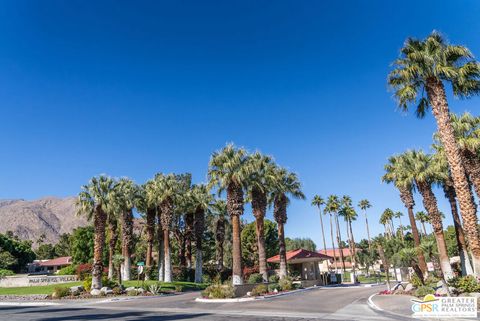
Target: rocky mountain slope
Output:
[(50, 216)]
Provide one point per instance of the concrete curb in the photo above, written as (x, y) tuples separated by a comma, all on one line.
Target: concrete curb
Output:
[(28, 304), (372, 304)]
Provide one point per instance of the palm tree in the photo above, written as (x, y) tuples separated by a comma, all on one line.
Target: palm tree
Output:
[(420, 169), (349, 214), (422, 217), (386, 221), (395, 172), (219, 209), (466, 129), (318, 201), (408, 257), (127, 195), (285, 184), (399, 215), (148, 206), (201, 200), (446, 182), (331, 207), (94, 201), (259, 184), (364, 205), (112, 220), (228, 169), (424, 67)]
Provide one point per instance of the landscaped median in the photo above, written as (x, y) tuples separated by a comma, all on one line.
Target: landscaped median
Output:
[(76, 290)]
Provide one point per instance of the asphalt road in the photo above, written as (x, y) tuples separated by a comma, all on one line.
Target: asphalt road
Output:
[(320, 303)]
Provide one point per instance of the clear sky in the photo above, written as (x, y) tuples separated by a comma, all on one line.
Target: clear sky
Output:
[(131, 88)]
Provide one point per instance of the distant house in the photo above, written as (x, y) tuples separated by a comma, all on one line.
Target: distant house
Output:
[(336, 255), (305, 264), (49, 266)]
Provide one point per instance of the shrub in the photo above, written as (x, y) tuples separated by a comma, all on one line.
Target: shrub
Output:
[(87, 284), (207, 279), (60, 292), (219, 291), (416, 282), (273, 278), (117, 290), (178, 288), (155, 289), (108, 283), (68, 270), (183, 274), (5, 272), (466, 284), (132, 293), (274, 286), (423, 291), (84, 270), (286, 284), (255, 278), (260, 289), (249, 270)]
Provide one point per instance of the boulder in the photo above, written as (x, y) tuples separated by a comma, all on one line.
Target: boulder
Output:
[(140, 290), (409, 287), (132, 288), (95, 292), (76, 289), (249, 293), (106, 290), (443, 291)]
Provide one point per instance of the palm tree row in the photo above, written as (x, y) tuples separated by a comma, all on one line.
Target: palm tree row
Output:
[(419, 78)]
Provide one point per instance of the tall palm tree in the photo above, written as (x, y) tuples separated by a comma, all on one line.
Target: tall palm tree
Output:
[(229, 170), (219, 210), (331, 207), (424, 67), (201, 200), (148, 207), (445, 180), (94, 201), (395, 172), (399, 215), (112, 223), (408, 256), (285, 184), (421, 170), (386, 221), (364, 205), (348, 213), (128, 196), (318, 201), (259, 185)]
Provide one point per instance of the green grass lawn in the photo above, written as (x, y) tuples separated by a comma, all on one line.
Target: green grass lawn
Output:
[(371, 279), (48, 289)]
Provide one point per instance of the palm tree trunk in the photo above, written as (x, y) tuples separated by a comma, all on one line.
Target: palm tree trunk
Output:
[(459, 235), (127, 234), (339, 242), (99, 222), (219, 240), (188, 239), (352, 249), (430, 204), (235, 209), (401, 230), (199, 228), (368, 231), (323, 231), (468, 210), (333, 244), (259, 208), (472, 166), (161, 252), (407, 199), (112, 230), (424, 228), (150, 229), (386, 265), (282, 251), (167, 254)]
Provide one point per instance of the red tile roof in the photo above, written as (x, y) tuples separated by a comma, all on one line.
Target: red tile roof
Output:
[(299, 254), (59, 261), (345, 251)]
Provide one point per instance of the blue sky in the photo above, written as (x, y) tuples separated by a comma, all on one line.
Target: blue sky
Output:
[(131, 88)]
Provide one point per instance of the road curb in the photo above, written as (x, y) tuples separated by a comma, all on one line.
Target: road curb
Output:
[(372, 304), (28, 304)]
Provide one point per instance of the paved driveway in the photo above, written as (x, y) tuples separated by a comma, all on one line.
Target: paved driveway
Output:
[(320, 303)]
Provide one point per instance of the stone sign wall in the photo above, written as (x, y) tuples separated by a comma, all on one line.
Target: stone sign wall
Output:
[(14, 281)]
